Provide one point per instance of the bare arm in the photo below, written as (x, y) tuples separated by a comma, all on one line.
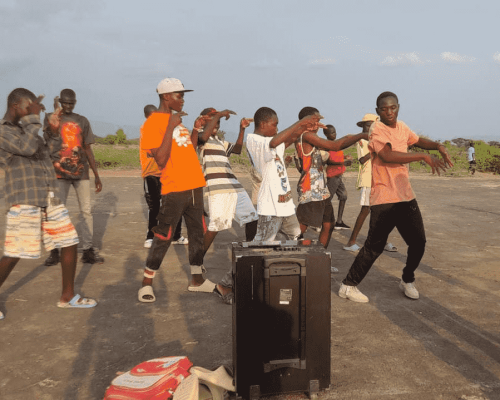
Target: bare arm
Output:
[(212, 122), (290, 134), (387, 155), (238, 146), (162, 153), (91, 159), (365, 158)]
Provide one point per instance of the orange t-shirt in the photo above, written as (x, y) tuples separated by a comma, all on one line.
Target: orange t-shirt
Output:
[(335, 170), (148, 163), (390, 182), (183, 169)]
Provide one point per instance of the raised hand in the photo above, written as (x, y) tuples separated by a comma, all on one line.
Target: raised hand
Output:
[(245, 122), (226, 113), (311, 122), (176, 118), (36, 106)]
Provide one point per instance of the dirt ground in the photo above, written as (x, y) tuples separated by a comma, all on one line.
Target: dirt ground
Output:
[(444, 346)]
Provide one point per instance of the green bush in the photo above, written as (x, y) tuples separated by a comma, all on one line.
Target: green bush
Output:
[(109, 157)]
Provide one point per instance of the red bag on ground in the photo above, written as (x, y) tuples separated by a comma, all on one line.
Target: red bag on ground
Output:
[(155, 379)]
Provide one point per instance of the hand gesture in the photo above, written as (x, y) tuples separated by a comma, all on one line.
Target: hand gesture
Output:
[(311, 122), (226, 113), (55, 119), (245, 122), (446, 156), (436, 164), (36, 106), (201, 121), (176, 119)]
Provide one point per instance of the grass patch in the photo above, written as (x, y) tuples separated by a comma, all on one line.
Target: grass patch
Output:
[(488, 158)]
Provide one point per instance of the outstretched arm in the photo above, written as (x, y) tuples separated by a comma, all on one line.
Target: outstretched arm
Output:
[(387, 155), (211, 122), (336, 145), (427, 144), (290, 134)]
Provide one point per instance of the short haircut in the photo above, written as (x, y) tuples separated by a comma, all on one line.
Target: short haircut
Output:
[(263, 114), (471, 143), (207, 110), (384, 95), (307, 111), (18, 94), (68, 93), (149, 109), (328, 128)]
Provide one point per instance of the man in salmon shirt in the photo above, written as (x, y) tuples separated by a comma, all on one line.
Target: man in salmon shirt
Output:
[(392, 201), (182, 182)]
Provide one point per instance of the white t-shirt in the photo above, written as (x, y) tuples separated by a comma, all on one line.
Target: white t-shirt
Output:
[(470, 153), (275, 194)]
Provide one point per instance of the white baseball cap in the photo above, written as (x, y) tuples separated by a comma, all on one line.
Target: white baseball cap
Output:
[(170, 85)]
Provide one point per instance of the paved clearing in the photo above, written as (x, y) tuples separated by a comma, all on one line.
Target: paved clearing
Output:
[(444, 346)]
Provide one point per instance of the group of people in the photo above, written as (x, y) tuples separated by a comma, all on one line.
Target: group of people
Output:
[(175, 184)]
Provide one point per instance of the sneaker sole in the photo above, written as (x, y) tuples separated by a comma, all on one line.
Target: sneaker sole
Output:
[(344, 296)]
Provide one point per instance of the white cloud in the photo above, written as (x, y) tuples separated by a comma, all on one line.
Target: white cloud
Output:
[(323, 61), (456, 58), (405, 59), (496, 57)]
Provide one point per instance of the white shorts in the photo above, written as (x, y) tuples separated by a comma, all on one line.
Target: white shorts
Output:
[(28, 226), (224, 207), (365, 196)]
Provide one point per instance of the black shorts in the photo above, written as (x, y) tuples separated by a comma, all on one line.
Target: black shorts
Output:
[(315, 213)]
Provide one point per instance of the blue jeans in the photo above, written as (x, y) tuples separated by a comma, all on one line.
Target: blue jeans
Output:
[(406, 217)]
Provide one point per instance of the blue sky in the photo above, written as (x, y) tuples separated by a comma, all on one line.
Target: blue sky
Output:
[(442, 58)]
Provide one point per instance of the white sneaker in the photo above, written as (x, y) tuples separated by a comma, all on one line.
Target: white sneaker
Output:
[(182, 240), (334, 270), (1, 315), (352, 293), (148, 243), (409, 289)]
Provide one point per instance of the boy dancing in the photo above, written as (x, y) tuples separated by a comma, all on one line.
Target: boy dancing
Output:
[(227, 199), (315, 207), (392, 200), (182, 182), (35, 213)]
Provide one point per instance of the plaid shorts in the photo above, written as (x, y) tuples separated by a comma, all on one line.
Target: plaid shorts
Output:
[(27, 226)]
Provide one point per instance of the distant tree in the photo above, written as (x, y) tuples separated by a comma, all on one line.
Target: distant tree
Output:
[(121, 138)]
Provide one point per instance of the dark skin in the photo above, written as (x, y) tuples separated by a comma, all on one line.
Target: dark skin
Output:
[(288, 136), (388, 111), (67, 107), (331, 134), (15, 112), (211, 128), (365, 210), (170, 103), (311, 139)]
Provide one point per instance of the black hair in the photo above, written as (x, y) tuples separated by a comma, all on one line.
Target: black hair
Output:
[(18, 94), (263, 114), (68, 93), (207, 110), (384, 95), (307, 111), (471, 144), (328, 128), (149, 109)]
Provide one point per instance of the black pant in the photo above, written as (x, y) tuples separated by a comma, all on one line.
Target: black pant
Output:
[(187, 204), (152, 193), (406, 217)]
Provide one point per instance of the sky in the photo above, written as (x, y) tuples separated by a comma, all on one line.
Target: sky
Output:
[(442, 59)]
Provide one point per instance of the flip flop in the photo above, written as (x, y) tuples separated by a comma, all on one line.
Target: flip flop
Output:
[(227, 298), (144, 291), (78, 302), (206, 287), (354, 248), (390, 247)]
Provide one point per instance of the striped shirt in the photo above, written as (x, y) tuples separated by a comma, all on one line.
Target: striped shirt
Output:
[(218, 172), (24, 155)]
